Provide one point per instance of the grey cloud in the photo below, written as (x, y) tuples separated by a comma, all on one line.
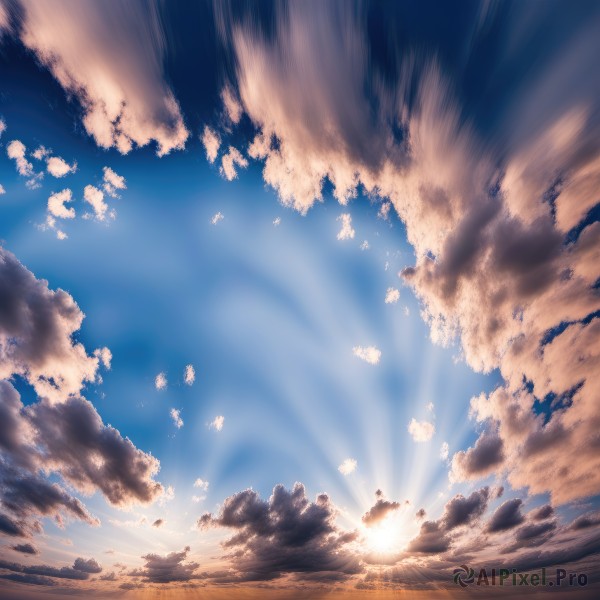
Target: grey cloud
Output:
[(87, 566), (25, 549), (380, 510), (286, 534), (506, 516), (45, 571), (10, 526), (165, 569), (480, 460), (543, 512), (158, 523), (432, 539)]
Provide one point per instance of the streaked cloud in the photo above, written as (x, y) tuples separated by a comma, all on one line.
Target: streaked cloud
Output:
[(212, 143)]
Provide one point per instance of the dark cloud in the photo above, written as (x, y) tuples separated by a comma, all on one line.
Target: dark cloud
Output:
[(158, 523), (480, 460), (29, 579), (45, 571), (536, 559), (461, 511), (286, 534), (380, 510), (87, 566), (421, 513), (432, 539), (25, 548), (9, 526), (506, 516), (585, 522), (164, 569), (543, 512)]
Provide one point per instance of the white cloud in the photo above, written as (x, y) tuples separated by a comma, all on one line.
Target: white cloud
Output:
[(201, 484), (112, 182), (233, 109), (2, 190), (16, 150), (430, 407), (189, 374), (176, 416), (160, 381), (348, 466), (369, 354), (61, 235), (346, 232), (365, 245), (197, 499), (167, 496), (2, 126), (41, 152), (421, 431), (212, 143), (104, 355), (92, 195), (111, 59), (229, 161), (384, 210), (392, 295), (216, 218), (277, 221), (56, 205), (35, 182), (217, 423), (444, 451), (58, 167)]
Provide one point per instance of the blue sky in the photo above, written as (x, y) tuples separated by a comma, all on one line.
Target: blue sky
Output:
[(361, 293)]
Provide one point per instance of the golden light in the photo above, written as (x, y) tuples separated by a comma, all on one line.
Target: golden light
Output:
[(390, 535)]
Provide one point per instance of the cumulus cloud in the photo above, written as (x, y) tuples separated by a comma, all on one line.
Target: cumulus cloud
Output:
[(58, 167), (212, 143), (348, 466), (112, 182), (189, 375), (95, 197), (346, 232), (507, 516), (421, 431), (165, 569), (231, 159), (480, 460), (79, 571), (37, 326), (380, 510), (369, 354), (217, 423), (286, 534), (56, 205), (176, 416), (41, 152), (111, 61), (392, 295), (160, 381), (104, 355), (16, 150)]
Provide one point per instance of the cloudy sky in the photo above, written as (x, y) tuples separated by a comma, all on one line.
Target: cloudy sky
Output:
[(297, 299)]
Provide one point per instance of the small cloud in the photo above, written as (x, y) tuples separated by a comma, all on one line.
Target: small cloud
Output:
[(167, 495), (189, 375), (104, 355), (2, 126), (217, 423), (35, 182), (444, 451), (58, 167), (421, 431), (369, 354), (406, 311), (365, 245), (158, 523), (229, 161), (384, 211), (113, 182), (392, 295), (25, 549), (212, 142), (176, 416), (198, 498), (41, 152), (201, 484), (56, 205), (61, 235), (277, 221), (348, 466), (430, 407), (16, 151), (2, 190), (95, 197), (160, 381), (233, 108), (216, 218), (346, 232)]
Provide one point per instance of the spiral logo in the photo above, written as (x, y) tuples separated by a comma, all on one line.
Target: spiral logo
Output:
[(464, 576)]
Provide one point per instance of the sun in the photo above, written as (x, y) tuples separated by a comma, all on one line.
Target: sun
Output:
[(388, 536)]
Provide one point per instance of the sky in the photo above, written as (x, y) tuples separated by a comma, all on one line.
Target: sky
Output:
[(299, 299)]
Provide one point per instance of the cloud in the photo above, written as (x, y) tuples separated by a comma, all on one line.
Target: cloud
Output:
[(507, 516), (9, 526), (364, 245), (217, 217), (41, 152), (392, 295), (229, 161), (421, 431), (212, 143), (369, 354), (541, 513), (380, 510), (104, 355), (58, 167), (160, 381), (2, 121), (165, 569), (189, 375), (348, 466), (16, 150), (158, 523), (233, 108), (346, 232), (56, 205), (444, 451), (112, 182), (287, 534), (2, 190), (202, 484), (176, 416), (37, 326), (87, 566), (480, 460), (217, 423), (80, 571), (431, 539), (95, 197), (111, 61), (25, 548)]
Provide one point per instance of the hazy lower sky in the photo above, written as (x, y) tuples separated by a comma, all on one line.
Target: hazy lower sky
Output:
[(298, 298)]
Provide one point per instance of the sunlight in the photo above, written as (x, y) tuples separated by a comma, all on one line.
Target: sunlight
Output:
[(389, 536)]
